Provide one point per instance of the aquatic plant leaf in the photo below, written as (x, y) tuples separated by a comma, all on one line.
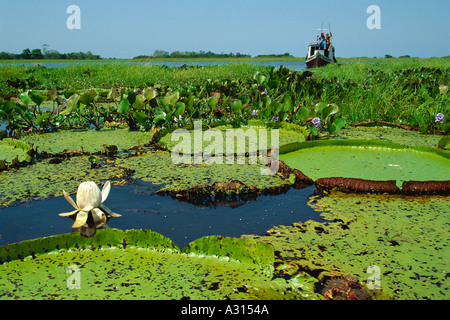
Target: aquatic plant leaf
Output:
[(302, 113), (140, 117), (370, 160), (88, 97), (149, 239), (329, 110), (396, 135), (92, 141), (37, 98), (180, 107), (235, 249), (14, 148), (150, 93), (124, 106), (25, 98), (46, 179), (133, 264)]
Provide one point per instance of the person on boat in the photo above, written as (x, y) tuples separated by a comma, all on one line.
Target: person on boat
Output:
[(328, 40), (327, 43), (321, 41)]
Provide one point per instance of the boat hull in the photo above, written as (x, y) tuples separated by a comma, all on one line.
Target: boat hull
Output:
[(317, 60)]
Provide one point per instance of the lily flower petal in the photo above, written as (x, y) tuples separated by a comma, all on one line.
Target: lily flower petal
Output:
[(112, 214), (99, 217), (87, 208), (88, 194), (66, 214), (69, 200), (87, 232), (82, 217), (105, 191)]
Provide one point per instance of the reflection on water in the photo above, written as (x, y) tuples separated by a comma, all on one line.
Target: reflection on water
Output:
[(179, 221), (293, 65)]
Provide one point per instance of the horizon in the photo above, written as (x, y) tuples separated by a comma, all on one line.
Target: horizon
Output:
[(120, 30)]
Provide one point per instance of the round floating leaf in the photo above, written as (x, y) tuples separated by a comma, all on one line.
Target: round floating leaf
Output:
[(135, 264), (369, 159)]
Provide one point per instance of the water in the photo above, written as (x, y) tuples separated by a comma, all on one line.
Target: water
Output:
[(181, 222), (293, 65)]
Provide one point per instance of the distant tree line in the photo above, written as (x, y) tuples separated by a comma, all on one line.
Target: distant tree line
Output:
[(192, 54), (284, 55), (48, 54)]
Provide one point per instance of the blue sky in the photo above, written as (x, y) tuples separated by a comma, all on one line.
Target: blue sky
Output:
[(124, 29)]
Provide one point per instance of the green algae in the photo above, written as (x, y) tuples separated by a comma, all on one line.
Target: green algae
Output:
[(46, 179), (137, 264), (406, 238), (369, 159), (157, 167), (90, 140)]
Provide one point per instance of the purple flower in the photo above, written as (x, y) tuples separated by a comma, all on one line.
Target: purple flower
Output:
[(316, 122), (440, 118), (276, 118)]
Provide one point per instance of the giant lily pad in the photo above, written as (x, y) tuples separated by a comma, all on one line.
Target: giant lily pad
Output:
[(89, 140), (396, 135), (11, 149), (249, 135), (406, 238), (157, 167), (138, 264), (48, 178), (369, 159)]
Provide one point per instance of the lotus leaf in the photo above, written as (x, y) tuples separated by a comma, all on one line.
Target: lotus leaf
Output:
[(124, 265)]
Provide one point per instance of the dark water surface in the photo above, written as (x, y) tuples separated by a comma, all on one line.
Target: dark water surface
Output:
[(181, 222)]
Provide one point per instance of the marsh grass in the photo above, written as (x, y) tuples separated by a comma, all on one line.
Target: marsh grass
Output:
[(401, 91), (394, 90), (86, 76)]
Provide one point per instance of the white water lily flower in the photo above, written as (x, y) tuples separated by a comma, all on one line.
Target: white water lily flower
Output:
[(90, 213)]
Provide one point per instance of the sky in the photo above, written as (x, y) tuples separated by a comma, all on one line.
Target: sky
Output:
[(125, 29)]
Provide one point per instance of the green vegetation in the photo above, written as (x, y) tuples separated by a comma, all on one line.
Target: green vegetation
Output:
[(138, 264), (406, 238), (158, 54), (114, 122), (37, 54)]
